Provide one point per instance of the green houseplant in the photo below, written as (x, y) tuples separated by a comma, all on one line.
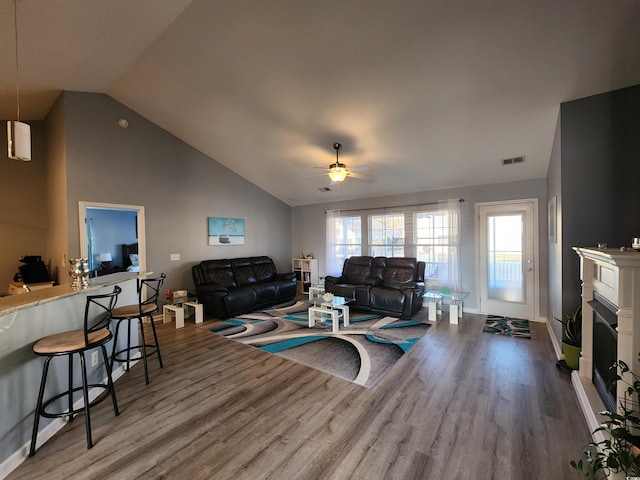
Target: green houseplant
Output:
[(572, 337), (619, 452)]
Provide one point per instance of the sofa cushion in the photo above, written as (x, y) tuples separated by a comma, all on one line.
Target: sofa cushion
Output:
[(357, 269), (344, 290), (377, 270), (387, 300), (263, 268), (218, 272), (286, 288), (237, 299), (398, 271), (265, 292), (244, 275)]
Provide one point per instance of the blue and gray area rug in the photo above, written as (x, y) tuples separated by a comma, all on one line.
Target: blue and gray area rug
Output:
[(511, 327), (361, 353)]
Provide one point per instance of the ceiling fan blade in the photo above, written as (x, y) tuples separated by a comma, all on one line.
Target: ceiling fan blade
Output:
[(359, 168), (359, 176), (314, 175)]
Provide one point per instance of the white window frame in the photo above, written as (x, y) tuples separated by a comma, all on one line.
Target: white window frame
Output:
[(384, 248)]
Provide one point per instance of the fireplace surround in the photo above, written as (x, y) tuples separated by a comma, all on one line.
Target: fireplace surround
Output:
[(610, 304)]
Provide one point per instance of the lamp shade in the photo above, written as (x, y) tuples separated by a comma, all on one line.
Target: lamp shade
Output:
[(19, 140), (105, 257)]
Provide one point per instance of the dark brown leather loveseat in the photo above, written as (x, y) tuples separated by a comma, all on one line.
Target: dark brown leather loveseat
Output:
[(229, 287), (383, 285)]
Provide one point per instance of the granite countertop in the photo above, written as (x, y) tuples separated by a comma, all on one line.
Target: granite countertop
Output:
[(12, 303)]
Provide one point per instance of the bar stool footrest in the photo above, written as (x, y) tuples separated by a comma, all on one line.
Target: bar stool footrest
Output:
[(103, 395), (149, 349)]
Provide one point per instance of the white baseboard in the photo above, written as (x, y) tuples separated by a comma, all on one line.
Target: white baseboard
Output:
[(557, 346), (591, 404), (15, 459)]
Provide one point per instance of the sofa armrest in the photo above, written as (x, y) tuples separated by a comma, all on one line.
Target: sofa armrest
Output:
[(285, 276), (211, 289), (329, 279), (410, 286)]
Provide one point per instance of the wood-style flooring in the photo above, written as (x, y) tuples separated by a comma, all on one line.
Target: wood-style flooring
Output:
[(461, 404)]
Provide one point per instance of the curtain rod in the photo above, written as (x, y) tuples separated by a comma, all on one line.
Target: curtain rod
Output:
[(396, 206)]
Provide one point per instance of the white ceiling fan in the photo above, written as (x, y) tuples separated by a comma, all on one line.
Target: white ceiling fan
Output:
[(338, 172)]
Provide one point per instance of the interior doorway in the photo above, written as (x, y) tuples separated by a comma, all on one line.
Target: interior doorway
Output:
[(507, 253), (112, 231)]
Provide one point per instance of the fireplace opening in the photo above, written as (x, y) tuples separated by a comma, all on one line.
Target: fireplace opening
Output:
[(605, 349)]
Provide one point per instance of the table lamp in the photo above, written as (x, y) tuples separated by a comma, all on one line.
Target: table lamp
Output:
[(106, 259)]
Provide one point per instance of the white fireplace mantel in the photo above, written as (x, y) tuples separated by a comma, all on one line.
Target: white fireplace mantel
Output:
[(615, 275)]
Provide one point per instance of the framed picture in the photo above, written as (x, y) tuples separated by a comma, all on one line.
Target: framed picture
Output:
[(226, 231), (552, 220)]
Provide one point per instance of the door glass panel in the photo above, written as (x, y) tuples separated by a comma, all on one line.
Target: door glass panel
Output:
[(505, 260)]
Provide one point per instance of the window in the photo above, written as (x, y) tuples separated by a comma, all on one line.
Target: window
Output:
[(436, 244), (386, 235), (431, 235), (348, 238)]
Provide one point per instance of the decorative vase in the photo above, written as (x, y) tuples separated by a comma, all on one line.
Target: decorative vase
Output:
[(571, 356), (79, 271)]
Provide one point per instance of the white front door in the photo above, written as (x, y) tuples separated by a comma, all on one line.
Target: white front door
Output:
[(507, 243)]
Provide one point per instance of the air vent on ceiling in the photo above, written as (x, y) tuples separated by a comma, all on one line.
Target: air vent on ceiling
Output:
[(324, 189), (511, 161)]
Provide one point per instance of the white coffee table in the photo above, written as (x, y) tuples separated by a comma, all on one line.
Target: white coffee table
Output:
[(335, 308)]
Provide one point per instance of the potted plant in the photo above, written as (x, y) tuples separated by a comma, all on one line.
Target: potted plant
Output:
[(572, 337), (618, 455)]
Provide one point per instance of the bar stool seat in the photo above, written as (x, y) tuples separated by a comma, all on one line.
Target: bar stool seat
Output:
[(94, 334), (147, 306), (70, 342), (134, 310)]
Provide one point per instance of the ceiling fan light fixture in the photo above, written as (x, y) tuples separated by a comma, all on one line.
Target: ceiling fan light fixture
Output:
[(337, 172)]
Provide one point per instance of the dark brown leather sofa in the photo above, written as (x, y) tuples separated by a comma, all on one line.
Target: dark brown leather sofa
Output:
[(229, 287), (383, 285)]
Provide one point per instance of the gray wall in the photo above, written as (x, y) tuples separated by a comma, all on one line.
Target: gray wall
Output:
[(178, 186), (23, 214), (81, 154), (309, 225), (599, 177)]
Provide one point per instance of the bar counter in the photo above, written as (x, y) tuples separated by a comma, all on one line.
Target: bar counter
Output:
[(24, 319)]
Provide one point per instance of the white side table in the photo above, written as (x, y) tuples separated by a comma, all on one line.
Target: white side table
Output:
[(197, 310), (435, 300), (177, 311)]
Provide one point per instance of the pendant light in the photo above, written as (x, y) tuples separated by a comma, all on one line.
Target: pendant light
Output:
[(337, 171), (18, 133)]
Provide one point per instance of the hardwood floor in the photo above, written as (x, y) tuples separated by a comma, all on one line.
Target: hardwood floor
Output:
[(461, 405)]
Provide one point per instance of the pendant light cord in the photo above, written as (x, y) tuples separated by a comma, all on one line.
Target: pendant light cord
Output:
[(15, 17)]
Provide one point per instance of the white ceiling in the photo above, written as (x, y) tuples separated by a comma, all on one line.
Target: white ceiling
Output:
[(429, 94)]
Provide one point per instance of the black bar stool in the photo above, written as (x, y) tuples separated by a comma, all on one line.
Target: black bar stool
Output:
[(97, 315), (147, 306)]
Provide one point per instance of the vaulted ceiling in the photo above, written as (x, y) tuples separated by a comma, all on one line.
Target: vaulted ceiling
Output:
[(429, 94)]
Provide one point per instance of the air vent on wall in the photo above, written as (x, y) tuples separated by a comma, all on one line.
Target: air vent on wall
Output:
[(511, 161), (324, 189)]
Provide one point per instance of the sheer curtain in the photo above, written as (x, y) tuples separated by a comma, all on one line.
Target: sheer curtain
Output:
[(451, 208), (331, 265)]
